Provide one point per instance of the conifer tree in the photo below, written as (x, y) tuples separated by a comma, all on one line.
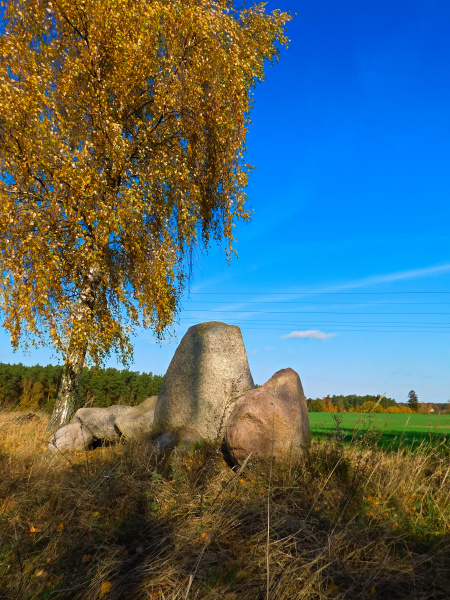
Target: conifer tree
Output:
[(413, 400)]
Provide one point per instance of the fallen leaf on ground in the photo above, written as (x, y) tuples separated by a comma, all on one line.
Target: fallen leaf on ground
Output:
[(106, 587)]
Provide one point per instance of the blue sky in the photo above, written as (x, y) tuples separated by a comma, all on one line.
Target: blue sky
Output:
[(349, 243)]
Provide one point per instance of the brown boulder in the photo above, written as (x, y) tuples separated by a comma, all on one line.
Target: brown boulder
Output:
[(271, 420)]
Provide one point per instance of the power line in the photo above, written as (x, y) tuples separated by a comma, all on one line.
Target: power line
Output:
[(316, 312), (351, 330), (335, 325), (308, 293), (421, 327), (309, 325), (334, 322), (334, 330), (318, 302)]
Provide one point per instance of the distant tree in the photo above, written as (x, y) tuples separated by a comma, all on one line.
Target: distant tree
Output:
[(371, 406), (122, 141), (316, 406), (32, 394), (328, 405), (352, 401), (413, 401)]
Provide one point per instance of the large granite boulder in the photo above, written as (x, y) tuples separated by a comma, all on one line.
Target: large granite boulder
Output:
[(271, 420), (138, 421), (101, 421), (208, 372), (72, 437)]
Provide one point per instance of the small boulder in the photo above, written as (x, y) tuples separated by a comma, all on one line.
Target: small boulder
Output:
[(100, 421), (271, 420), (138, 421), (208, 372), (72, 437)]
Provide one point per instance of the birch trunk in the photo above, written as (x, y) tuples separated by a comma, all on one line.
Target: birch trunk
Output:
[(68, 389)]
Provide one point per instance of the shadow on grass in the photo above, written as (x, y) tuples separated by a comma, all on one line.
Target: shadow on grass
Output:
[(122, 522)]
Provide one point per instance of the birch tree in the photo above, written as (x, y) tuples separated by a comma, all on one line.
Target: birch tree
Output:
[(122, 141)]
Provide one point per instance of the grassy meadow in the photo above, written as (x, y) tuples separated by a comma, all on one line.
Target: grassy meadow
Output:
[(391, 431), (351, 521)]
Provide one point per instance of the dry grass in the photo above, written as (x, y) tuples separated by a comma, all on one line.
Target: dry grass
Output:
[(119, 523)]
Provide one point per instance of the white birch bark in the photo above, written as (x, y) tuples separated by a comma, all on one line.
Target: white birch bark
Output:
[(68, 390)]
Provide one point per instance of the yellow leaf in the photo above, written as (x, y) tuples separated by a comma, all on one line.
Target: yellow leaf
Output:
[(372, 590), (86, 558), (106, 587), (5, 506), (60, 527), (36, 529), (41, 573)]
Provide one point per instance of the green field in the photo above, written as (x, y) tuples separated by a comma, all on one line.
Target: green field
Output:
[(392, 430)]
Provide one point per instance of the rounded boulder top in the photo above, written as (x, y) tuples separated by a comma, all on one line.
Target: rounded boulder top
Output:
[(270, 421), (208, 372)]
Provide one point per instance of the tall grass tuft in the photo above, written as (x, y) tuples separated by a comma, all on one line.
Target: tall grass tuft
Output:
[(349, 521)]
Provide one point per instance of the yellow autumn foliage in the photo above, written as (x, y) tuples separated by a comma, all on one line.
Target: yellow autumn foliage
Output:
[(122, 141), (123, 126)]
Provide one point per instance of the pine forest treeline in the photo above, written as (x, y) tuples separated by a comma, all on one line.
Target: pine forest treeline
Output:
[(36, 388)]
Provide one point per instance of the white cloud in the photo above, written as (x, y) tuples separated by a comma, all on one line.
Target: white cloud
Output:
[(314, 334), (253, 352), (398, 276), (269, 348)]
